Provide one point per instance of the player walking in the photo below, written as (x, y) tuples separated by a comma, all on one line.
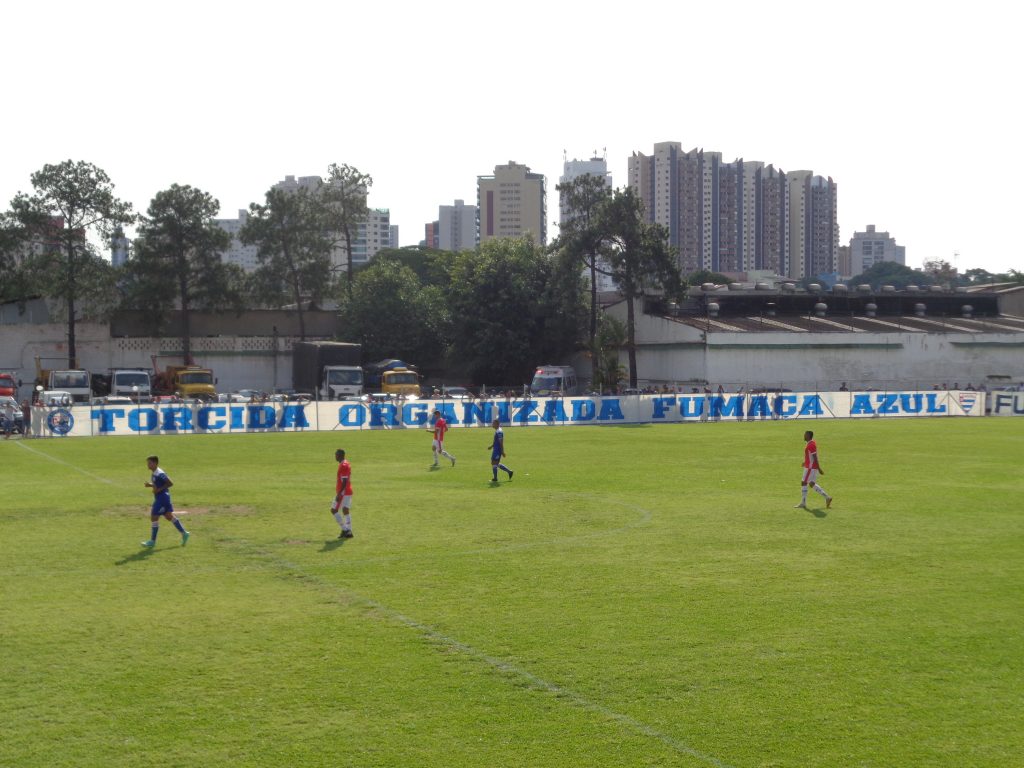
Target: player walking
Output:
[(439, 428), (498, 451), (343, 496), (812, 468), (161, 485)]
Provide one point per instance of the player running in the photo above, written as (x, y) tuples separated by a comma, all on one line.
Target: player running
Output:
[(439, 428), (342, 504), (161, 485), (498, 451), (812, 468)]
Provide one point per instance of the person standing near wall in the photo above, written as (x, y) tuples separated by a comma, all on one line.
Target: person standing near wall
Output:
[(812, 468)]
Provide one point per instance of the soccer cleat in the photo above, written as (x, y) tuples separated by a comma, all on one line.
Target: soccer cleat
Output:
[(341, 535), (347, 535), (801, 505), (453, 461), (510, 474), (149, 543), (828, 503), (184, 538)]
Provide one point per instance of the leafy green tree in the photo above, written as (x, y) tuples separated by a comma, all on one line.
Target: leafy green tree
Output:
[(291, 233), (608, 372), (345, 196), (392, 314), (890, 273), (508, 312), (432, 267), (581, 237), (72, 201), (706, 276), (177, 256), (640, 258)]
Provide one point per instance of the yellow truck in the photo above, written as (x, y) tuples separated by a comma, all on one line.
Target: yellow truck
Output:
[(185, 381)]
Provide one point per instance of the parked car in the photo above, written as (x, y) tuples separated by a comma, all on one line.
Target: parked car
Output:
[(19, 420), (457, 393)]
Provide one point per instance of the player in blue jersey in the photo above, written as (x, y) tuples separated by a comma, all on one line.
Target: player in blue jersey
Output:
[(498, 451), (161, 485)]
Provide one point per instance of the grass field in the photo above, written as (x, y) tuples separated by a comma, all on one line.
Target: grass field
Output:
[(636, 596)]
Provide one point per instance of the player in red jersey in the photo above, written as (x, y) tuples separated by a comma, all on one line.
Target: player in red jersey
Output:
[(439, 428), (812, 468), (343, 496)]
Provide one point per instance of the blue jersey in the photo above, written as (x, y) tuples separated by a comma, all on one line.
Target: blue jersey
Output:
[(162, 498), (498, 446)]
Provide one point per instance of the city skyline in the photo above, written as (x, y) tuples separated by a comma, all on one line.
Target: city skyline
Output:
[(884, 101)]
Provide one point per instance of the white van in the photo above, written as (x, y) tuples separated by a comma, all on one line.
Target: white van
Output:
[(554, 381)]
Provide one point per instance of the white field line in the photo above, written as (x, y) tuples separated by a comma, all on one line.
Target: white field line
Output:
[(66, 464)]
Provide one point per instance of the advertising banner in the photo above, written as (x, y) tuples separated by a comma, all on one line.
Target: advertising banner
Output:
[(1006, 403), (226, 418)]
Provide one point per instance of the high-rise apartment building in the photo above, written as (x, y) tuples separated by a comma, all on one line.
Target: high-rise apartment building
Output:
[(512, 203), (456, 227), (238, 253), (738, 217), (870, 247)]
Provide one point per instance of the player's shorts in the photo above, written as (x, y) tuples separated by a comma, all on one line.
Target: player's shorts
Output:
[(162, 504), (346, 503), (810, 476), (438, 445), (495, 455)]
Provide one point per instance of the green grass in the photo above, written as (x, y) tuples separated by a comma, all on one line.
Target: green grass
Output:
[(636, 596)]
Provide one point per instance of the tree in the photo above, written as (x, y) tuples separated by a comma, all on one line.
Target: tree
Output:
[(290, 232), (640, 259), (180, 245), (392, 314), (890, 273), (71, 201), (345, 196), (706, 276), (580, 239), (941, 271), (508, 312)]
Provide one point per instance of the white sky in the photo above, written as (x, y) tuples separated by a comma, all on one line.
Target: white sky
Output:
[(913, 109)]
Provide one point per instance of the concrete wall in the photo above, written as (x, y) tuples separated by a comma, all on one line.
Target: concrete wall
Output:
[(237, 361), (672, 352)]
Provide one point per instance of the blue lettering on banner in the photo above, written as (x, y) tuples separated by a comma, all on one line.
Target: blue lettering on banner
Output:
[(861, 406), (913, 403), (237, 412), (555, 411), (525, 414), (759, 406), (661, 406), (261, 417), (691, 407), (933, 406), (414, 414), (811, 406), (476, 413), (383, 415), (293, 416), (610, 411), (351, 415), (447, 412), (177, 419), (106, 418), (135, 419), (733, 406), (583, 410), (785, 405), (217, 411)]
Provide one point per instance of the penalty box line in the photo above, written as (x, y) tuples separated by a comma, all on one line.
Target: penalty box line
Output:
[(68, 464), (446, 642)]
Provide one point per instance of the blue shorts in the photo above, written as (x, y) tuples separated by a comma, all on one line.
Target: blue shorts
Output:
[(495, 455), (162, 504)]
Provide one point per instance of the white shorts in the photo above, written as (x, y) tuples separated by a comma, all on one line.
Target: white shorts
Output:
[(810, 477), (346, 503), (438, 446)]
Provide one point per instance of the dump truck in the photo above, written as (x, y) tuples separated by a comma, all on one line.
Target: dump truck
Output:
[(185, 381), (329, 370), (393, 377)]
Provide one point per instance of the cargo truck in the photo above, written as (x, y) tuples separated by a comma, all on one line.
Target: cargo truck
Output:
[(76, 382), (393, 377), (329, 370), (185, 381)]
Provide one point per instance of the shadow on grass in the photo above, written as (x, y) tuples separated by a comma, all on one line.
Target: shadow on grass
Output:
[(332, 544), (137, 557), (818, 512), (434, 467)]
